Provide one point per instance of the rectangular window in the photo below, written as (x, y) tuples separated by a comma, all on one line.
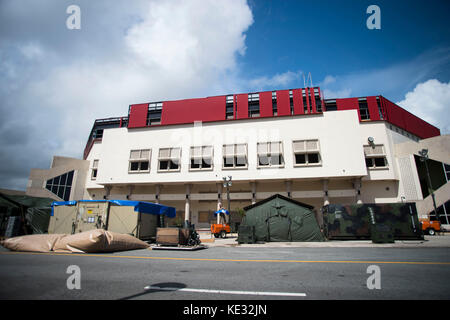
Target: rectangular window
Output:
[(330, 105), (375, 157), (253, 105), (98, 134), (94, 172), (274, 103), (270, 154), (201, 158), (305, 105), (139, 161), (235, 156), (169, 159), (229, 107), (306, 153), (291, 101), (379, 108), (154, 113), (318, 101), (363, 109)]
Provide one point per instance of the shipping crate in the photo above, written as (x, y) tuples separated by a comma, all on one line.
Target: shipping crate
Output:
[(172, 236)]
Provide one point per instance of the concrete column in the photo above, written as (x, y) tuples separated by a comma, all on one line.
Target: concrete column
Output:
[(357, 183), (187, 206), (253, 185), (326, 199), (130, 191), (107, 192), (289, 188), (219, 200), (157, 193)]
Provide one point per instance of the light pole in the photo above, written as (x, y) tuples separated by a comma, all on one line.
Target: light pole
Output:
[(227, 184), (424, 157)]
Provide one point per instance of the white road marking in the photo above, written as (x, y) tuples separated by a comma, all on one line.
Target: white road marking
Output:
[(257, 293)]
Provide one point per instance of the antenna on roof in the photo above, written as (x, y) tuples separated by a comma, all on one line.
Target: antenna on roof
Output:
[(306, 80)]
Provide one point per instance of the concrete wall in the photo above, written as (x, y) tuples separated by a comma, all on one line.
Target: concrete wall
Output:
[(59, 166)]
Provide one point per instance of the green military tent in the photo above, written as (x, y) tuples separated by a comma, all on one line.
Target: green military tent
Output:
[(33, 211), (279, 218)]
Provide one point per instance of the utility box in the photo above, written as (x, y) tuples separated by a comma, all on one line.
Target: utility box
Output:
[(172, 236), (246, 234), (137, 218)]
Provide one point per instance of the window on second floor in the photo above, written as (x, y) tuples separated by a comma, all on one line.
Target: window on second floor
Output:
[(375, 157), (139, 161), (201, 158), (235, 156), (270, 154), (306, 152), (169, 159)]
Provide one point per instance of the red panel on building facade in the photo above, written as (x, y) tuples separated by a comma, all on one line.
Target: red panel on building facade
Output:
[(313, 100), (348, 104), (373, 108), (138, 115), (308, 106), (191, 110), (283, 103), (407, 121), (265, 104), (298, 101), (242, 106)]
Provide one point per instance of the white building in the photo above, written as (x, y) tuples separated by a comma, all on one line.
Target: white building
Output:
[(291, 142)]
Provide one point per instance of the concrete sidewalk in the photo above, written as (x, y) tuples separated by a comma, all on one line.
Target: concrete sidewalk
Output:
[(437, 241)]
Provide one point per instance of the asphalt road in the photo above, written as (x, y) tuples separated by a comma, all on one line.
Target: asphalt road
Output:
[(229, 273)]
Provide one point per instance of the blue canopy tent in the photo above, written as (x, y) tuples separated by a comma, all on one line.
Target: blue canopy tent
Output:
[(139, 218), (139, 206)]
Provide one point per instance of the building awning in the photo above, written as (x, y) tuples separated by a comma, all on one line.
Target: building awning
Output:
[(139, 206)]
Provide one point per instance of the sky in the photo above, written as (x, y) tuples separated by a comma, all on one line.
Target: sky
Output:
[(55, 81)]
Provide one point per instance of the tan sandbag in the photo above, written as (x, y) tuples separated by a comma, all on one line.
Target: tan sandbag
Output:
[(32, 243), (84, 242), (122, 242), (98, 240)]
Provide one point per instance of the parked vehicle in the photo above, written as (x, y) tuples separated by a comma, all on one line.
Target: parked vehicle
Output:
[(431, 227)]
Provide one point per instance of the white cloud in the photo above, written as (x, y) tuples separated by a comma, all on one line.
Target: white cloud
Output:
[(276, 81), (63, 79), (430, 100)]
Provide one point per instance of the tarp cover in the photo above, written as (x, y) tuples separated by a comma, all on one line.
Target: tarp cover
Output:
[(97, 240), (282, 219), (139, 206), (356, 221), (37, 210)]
